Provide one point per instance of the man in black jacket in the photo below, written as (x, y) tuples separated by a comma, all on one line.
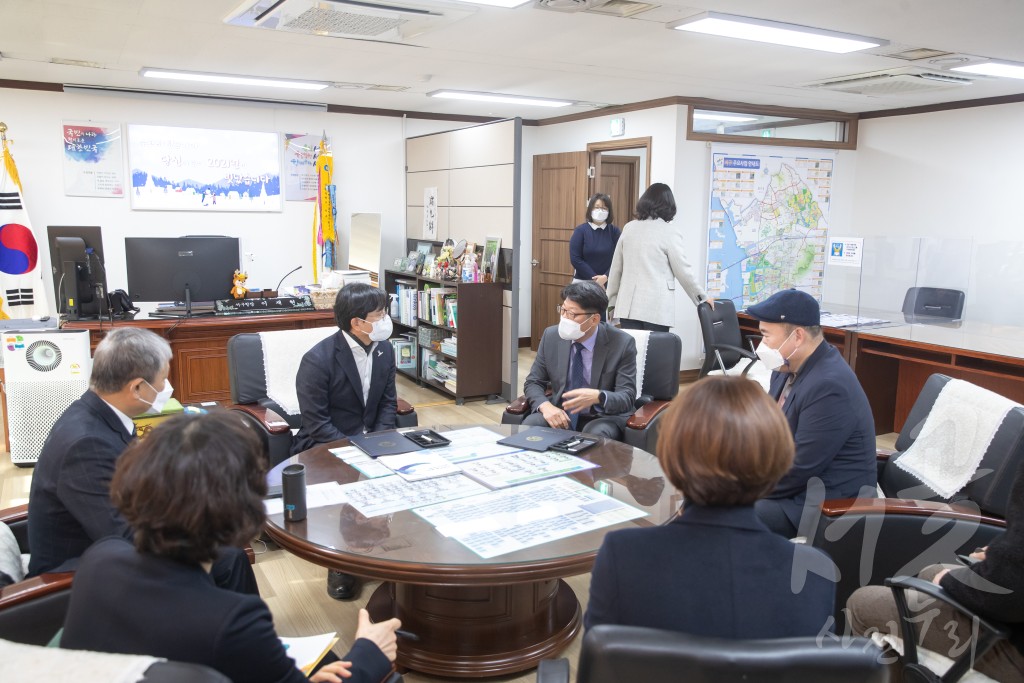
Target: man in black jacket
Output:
[(69, 504)]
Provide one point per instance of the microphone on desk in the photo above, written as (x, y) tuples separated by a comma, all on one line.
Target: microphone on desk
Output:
[(278, 288)]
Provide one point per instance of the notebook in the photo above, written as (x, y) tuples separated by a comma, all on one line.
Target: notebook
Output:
[(536, 438), (376, 444)]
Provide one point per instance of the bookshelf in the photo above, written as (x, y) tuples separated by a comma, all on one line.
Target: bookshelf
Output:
[(426, 312)]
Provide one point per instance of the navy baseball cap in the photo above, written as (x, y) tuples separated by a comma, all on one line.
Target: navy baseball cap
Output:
[(788, 306)]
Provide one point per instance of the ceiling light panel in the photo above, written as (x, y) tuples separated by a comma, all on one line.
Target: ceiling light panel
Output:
[(227, 79), (998, 69), (777, 33), (498, 97)]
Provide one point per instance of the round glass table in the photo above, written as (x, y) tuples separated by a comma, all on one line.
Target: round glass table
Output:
[(474, 616)]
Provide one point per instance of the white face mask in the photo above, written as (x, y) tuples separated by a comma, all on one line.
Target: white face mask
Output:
[(381, 329), (569, 329), (161, 399), (599, 215), (772, 358)]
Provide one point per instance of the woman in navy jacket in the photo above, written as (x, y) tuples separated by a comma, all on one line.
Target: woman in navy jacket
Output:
[(192, 485), (593, 243), (716, 570)]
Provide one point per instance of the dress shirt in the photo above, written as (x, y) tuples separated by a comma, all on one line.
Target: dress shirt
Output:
[(129, 424), (363, 357), (599, 227)]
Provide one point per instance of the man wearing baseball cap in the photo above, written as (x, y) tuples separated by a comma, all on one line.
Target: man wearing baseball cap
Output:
[(825, 406)]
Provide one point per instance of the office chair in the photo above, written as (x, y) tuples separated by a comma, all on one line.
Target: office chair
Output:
[(913, 527), (660, 384), (933, 304), (32, 610), (914, 671), (723, 341), (625, 654), (247, 375)]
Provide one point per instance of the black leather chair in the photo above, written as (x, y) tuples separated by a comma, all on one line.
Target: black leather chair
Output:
[(933, 304), (871, 540), (629, 654), (723, 341), (988, 632), (660, 386), (248, 381), (33, 610)]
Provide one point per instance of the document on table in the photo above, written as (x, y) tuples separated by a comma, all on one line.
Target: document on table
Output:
[(354, 457), (521, 467), (847, 320), (471, 436), (419, 465), (317, 495), (385, 495), (308, 651), (500, 522)]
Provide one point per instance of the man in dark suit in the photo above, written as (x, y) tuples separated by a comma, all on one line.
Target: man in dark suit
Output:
[(346, 383), (346, 386), (589, 365), (825, 405), (69, 503)]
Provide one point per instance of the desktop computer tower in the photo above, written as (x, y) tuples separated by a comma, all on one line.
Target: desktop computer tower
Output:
[(44, 372)]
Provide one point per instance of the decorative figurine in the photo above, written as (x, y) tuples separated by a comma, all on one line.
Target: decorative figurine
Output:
[(238, 289)]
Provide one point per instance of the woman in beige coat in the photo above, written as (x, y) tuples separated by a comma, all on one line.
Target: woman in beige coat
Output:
[(647, 263)]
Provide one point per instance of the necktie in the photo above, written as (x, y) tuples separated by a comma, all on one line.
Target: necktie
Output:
[(576, 377)]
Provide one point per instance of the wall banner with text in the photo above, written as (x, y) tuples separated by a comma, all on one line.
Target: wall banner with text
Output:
[(93, 161)]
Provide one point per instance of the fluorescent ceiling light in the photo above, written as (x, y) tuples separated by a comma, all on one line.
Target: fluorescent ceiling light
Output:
[(763, 31), (497, 97), (231, 80), (723, 117), (498, 3), (994, 69)]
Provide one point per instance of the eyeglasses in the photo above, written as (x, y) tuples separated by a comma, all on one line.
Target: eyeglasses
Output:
[(567, 313)]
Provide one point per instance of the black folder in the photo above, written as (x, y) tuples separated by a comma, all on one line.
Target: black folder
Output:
[(536, 438), (376, 444)]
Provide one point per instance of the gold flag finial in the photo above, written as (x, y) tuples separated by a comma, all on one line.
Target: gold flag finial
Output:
[(3, 130)]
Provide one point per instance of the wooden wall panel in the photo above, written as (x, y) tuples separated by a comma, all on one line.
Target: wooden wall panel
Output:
[(416, 182), (428, 153), (476, 223), (487, 145), (414, 223), (483, 186)]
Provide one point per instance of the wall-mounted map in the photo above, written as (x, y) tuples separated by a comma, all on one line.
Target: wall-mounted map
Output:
[(768, 222)]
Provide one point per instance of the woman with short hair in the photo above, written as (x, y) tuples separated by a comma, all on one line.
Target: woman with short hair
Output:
[(593, 242), (716, 570), (648, 261), (194, 484)]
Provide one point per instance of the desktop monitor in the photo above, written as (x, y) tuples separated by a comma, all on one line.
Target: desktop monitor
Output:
[(79, 276), (162, 268)]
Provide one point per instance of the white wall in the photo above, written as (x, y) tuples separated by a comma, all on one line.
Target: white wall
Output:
[(949, 176), (369, 156)]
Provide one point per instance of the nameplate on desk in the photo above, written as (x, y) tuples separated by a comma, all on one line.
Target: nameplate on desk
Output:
[(276, 304)]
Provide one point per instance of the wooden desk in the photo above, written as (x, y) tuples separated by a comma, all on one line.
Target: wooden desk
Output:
[(893, 364), (475, 617), (199, 367), (839, 337)]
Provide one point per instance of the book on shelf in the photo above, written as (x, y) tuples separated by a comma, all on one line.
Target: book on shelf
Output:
[(431, 306), (451, 307)]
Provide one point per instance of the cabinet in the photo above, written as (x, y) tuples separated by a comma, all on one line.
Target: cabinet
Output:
[(426, 312)]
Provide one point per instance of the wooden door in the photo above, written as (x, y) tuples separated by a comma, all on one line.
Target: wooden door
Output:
[(619, 177), (559, 204)]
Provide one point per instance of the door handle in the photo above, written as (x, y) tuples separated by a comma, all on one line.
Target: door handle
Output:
[(534, 263)]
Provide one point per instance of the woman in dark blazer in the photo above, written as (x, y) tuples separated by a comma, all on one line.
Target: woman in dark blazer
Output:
[(593, 243), (195, 483), (716, 570)]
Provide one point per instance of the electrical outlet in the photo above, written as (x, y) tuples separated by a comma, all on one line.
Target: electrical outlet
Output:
[(250, 257)]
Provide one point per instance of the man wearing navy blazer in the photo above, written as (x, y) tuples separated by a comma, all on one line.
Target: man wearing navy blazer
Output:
[(346, 385), (825, 405), (589, 365), (69, 504)]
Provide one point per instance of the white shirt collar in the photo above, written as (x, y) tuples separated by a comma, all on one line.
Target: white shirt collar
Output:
[(129, 424), (599, 227)]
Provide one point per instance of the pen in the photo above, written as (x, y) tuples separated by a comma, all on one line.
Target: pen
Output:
[(408, 635)]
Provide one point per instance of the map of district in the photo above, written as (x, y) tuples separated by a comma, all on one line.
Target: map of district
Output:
[(767, 225)]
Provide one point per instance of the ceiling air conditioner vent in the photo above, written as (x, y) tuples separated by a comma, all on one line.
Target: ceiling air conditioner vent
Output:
[(381, 20), (895, 82), (568, 5)]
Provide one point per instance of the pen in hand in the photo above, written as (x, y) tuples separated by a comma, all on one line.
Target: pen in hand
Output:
[(408, 635)]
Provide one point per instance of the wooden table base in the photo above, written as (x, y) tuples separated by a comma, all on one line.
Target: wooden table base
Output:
[(478, 631)]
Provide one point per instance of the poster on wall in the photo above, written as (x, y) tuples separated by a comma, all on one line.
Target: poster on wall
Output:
[(196, 169), (93, 162), (300, 179), (430, 213), (768, 222)]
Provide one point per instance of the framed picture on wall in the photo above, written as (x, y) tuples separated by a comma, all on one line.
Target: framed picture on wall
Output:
[(491, 248)]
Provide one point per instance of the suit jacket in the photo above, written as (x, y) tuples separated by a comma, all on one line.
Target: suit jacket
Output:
[(613, 370), (647, 263), (713, 571), (330, 393), (1003, 566), (833, 429), (69, 504), (128, 602)]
